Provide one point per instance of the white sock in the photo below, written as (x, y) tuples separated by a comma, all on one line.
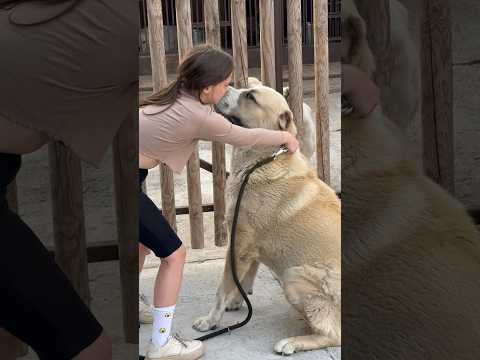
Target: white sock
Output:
[(162, 324)]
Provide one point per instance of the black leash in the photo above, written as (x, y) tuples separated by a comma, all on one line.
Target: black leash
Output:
[(283, 149)]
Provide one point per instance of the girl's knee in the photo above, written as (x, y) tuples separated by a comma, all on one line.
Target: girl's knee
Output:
[(177, 257)]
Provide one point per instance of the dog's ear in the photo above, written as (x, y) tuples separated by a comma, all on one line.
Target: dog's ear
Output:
[(286, 123), (359, 53), (253, 82)]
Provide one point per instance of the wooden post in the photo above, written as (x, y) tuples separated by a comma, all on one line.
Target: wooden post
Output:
[(9, 344), (239, 40), (278, 25), (125, 163), (295, 66), (267, 42), (437, 93), (68, 217), (159, 77), (320, 30), (212, 22), (185, 44), (212, 32)]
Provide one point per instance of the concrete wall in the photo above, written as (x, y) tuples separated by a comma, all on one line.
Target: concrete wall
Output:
[(466, 97), (466, 111)]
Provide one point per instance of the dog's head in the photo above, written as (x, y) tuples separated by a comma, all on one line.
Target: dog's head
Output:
[(257, 107), (355, 48)]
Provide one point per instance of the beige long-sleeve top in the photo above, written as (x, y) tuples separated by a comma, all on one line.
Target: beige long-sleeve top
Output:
[(172, 135)]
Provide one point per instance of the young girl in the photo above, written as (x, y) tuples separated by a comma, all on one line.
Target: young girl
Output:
[(171, 122)]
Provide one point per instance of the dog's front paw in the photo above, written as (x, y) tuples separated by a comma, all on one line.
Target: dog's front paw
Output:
[(285, 347), (204, 324)]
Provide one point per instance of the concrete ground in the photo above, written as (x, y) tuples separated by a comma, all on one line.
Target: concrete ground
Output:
[(273, 317)]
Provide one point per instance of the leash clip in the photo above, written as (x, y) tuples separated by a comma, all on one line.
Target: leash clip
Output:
[(282, 150), (347, 106)]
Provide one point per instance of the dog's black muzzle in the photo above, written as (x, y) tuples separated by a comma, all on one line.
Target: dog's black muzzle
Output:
[(232, 118)]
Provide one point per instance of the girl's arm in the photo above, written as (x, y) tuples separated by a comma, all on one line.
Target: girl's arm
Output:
[(215, 127)]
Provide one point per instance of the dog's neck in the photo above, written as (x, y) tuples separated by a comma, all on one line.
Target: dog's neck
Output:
[(374, 146), (244, 159)]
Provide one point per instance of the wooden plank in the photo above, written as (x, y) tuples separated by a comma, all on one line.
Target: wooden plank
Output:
[(98, 252), (185, 44), (157, 44), (219, 185), (167, 182), (239, 43), (320, 29), (9, 343), (278, 25), (159, 78), (68, 217), (195, 201), (267, 42), (437, 93), (295, 66), (212, 33), (125, 164), (212, 22)]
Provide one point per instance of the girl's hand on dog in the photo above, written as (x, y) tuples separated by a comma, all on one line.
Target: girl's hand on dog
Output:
[(291, 142), (362, 92)]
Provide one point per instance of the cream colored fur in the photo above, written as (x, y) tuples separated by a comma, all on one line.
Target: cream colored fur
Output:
[(290, 221), (305, 125)]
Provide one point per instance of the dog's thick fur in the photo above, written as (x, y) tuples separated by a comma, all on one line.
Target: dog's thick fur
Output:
[(289, 220), (411, 253)]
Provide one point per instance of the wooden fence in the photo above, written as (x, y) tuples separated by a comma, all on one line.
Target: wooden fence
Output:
[(271, 21)]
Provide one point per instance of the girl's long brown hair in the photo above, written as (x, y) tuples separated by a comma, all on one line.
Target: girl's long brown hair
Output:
[(204, 66)]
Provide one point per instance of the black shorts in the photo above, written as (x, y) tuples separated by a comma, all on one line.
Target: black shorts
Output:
[(38, 304), (155, 232)]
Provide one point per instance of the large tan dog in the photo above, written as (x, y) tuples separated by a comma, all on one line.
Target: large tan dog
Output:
[(411, 254), (289, 220)]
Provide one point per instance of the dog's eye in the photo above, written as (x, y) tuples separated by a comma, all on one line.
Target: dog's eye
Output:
[(250, 96)]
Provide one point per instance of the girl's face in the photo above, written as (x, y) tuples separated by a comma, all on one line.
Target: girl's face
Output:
[(213, 93)]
